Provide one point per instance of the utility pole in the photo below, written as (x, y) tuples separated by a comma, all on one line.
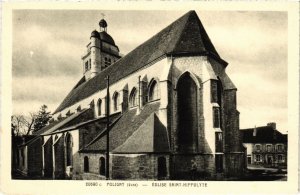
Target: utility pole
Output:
[(107, 129)]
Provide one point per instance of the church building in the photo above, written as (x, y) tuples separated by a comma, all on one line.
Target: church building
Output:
[(172, 112)]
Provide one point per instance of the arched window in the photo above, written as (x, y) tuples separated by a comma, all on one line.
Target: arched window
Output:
[(187, 113), (133, 98), (69, 149), (116, 101), (86, 164), (161, 167), (99, 106), (153, 91), (102, 166)]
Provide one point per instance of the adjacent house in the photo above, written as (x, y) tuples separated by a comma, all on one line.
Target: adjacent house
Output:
[(266, 146)]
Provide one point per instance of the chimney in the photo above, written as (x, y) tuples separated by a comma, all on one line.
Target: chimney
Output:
[(254, 131), (272, 124)]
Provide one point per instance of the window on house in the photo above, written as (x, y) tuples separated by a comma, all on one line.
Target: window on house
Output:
[(102, 166), (269, 148), (216, 117), (249, 159), (153, 91), (86, 164), (257, 147), (279, 148), (161, 167), (133, 98), (257, 158), (116, 101), (219, 163), (99, 106)]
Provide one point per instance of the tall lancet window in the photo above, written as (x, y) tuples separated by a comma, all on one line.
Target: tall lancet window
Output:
[(116, 101), (133, 98), (187, 113), (153, 91), (216, 117)]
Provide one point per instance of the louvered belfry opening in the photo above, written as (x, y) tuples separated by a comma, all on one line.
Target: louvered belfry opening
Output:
[(187, 113)]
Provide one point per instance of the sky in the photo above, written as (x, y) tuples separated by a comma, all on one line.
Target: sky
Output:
[(48, 45)]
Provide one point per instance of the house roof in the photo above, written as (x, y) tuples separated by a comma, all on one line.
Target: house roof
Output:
[(184, 36), (128, 133), (264, 134)]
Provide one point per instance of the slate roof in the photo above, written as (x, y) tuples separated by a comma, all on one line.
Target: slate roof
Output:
[(63, 122), (130, 133), (58, 123), (184, 36), (264, 134), (151, 136)]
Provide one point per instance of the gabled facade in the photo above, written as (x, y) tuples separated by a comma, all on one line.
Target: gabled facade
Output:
[(172, 111), (266, 146)]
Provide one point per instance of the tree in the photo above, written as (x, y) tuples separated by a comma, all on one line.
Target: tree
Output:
[(42, 118), (17, 125), (29, 122), (22, 125)]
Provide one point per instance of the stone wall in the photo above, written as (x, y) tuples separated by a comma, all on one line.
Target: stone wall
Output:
[(123, 167), (94, 166), (182, 169)]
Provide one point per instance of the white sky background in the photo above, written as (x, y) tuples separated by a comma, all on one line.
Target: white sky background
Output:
[(48, 45)]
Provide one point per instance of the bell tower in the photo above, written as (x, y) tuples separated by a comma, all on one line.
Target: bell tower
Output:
[(101, 52)]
